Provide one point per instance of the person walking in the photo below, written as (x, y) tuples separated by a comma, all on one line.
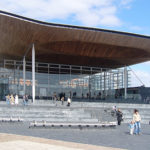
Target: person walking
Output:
[(119, 115), (136, 120)]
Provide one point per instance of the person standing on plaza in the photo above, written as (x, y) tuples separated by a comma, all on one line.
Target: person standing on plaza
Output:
[(68, 101), (54, 97), (26, 99), (16, 99), (12, 100), (24, 102), (131, 127), (62, 100), (8, 99), (114, 110), (136, 120), (119, 115)]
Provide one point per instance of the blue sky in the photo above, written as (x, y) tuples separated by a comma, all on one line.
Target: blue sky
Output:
[(121, 15), (136, 18)]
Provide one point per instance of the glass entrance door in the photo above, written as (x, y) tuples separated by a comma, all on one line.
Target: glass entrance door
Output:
[(4, 89)]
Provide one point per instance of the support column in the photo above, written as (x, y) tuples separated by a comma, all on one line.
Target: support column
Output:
[(104, 93), (18, 80), (117, 80), (24, 75), (125, 82), (89, 87), (110, 90), (4, 63), (33, 73), (48, 81), (101, 84)]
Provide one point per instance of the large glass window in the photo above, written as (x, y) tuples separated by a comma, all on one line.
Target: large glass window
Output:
[(79, 82)]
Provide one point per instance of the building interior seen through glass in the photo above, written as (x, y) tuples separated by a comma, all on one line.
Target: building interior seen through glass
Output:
[(74, 81)]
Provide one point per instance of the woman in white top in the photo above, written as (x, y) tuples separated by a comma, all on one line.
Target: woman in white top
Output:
[(136, 120), (68, 101), (16, 99)]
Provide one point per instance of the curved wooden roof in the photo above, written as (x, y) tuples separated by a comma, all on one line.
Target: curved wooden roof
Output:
[(67, 44)]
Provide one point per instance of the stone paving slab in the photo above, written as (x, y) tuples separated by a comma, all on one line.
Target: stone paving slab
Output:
[(17, 142)]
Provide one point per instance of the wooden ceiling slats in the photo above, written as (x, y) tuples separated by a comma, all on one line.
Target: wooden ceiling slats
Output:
[(70, 45)]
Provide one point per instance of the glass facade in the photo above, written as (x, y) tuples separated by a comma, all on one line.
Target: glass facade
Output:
[(75, 81)]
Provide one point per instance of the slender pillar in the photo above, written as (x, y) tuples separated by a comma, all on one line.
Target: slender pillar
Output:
[(125, 82), (110, 90), (4, 63), (33, 73), (18, 80), (117, 80), (89, 87), (101, 86), (15, 73), (24, 75), (104, 84), (48, 81)]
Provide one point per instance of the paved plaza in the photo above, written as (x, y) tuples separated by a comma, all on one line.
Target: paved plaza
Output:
[(17, 134), (15, 142)]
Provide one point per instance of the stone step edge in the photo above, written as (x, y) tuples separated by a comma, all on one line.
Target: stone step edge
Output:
[(11, 119)]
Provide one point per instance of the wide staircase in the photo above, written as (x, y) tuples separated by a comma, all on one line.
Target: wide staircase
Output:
[(83, 112)]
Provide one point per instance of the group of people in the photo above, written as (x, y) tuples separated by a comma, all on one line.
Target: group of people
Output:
[(68, 101), (12, 99), (134, 125), (61, 98)]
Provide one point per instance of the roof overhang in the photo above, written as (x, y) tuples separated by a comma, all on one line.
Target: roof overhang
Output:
[(65, 44)]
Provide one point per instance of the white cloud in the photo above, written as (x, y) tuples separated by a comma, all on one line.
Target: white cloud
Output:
[(87, 12), (147, 63), (135, 28), (126, 2)]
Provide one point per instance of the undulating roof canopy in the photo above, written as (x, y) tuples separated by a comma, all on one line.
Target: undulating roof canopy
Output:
[(65, 44)]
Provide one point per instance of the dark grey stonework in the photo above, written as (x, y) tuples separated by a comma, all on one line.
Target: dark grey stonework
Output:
[(112, 137)]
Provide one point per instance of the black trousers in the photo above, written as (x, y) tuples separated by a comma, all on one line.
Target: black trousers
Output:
[(119, 122)]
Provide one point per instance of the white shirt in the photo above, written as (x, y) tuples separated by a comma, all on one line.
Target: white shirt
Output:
[(69, 100), (16, 99), (136, 117)]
